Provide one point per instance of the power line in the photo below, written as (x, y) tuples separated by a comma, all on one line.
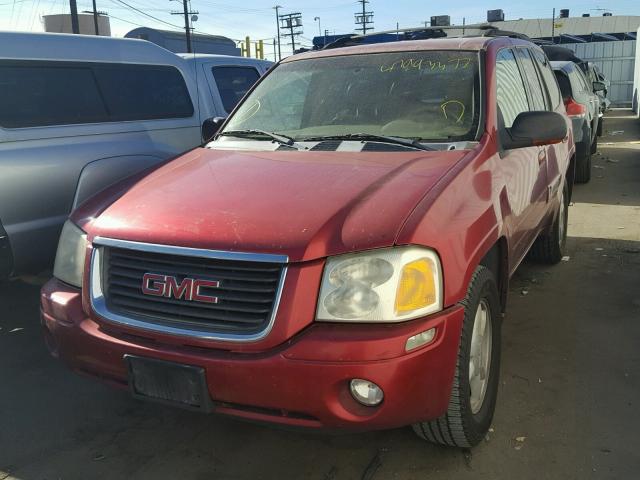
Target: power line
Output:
[(146, 14)]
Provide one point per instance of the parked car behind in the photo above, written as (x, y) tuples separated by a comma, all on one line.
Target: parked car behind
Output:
[(583, 106), (339, 256), (78, 113), (597, 76)]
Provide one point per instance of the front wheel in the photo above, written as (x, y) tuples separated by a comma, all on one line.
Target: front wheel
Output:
[(475, 385)]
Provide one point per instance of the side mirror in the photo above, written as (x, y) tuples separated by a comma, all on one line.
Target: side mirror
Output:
[(210, 127), (535, 128), (599, 86)]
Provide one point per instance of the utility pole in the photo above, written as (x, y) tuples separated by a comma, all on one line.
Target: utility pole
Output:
[(75, 25), (364, 18), (187, 27), (95, 17), (278, 29), (553, 27), (293, 23)]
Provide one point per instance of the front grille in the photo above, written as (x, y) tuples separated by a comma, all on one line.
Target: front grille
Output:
[(246, 295)]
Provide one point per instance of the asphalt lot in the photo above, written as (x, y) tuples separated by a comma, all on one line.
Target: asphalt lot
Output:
[(566, 409)]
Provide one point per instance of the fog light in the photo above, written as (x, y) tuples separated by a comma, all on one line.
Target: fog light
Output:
[(420, 339), (366, 392)]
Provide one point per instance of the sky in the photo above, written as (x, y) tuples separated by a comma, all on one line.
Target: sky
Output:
[(256, 18)]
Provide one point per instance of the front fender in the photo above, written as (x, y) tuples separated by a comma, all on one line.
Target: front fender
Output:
[(102, 173)]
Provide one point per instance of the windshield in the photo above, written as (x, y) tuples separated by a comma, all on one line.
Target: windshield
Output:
[(429, 95)]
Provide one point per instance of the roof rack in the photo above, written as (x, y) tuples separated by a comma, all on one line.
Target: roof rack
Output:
[(424, 33)]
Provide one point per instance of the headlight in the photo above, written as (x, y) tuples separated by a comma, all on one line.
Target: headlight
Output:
[(386, 285), (72, 249)]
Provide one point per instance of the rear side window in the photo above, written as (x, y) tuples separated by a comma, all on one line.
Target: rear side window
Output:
[(233, 83), (565, 84), (538, 96), (510, 91), (548, 76), (42, 95), (142, 92), (34, 94)]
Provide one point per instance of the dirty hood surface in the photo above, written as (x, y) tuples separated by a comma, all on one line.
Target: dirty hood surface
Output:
[(305, 205)]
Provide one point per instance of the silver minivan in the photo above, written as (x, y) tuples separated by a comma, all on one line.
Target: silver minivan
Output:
[(78, 113)]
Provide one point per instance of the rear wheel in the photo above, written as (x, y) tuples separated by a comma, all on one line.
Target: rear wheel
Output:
[(600, 127), (594, 144), (475, 385), (549, 247), (583, 167)]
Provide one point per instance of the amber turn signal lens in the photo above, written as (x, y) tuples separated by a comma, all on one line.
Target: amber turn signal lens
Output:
[(417, 286)]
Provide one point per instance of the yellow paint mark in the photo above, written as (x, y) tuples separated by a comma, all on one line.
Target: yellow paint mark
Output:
[(417, 64), (444, 106)]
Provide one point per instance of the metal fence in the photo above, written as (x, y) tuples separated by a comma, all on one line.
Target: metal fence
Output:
[(617, 61)]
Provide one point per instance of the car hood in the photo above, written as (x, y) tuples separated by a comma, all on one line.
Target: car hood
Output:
[(302, 204)]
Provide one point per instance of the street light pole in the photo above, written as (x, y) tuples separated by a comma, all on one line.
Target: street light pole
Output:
[(278, 29), (319, 27)]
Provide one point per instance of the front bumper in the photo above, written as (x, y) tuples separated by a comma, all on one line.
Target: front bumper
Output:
[(303, 382)]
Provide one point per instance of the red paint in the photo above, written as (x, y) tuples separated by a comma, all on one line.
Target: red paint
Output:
[(310, 205)]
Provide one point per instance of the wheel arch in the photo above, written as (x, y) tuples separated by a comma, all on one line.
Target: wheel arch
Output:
[(496, 259)]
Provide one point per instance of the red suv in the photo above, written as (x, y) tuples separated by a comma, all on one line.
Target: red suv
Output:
[(339, 255)]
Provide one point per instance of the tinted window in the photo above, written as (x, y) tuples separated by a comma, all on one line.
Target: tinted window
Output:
[(233, 83), (42, 95), (510, 92), (538, 96), (50, 93), (549, 77), (141, 92), (565, 85)]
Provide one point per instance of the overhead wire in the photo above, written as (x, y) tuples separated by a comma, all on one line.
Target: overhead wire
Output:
[(147, 14)]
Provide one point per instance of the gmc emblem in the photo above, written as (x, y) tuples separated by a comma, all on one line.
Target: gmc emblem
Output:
[(189, 289)]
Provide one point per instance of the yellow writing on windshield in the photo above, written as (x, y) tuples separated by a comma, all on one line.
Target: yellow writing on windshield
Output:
[(451, 107), (417, 64)]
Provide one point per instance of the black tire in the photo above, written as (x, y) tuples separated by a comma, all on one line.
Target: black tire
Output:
[(583, 167), (594, 144), (600, 127), (550, 246), (460, 426)]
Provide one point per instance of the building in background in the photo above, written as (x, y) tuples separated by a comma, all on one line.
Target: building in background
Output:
[(177, 42), (575, 29), (62, 24)]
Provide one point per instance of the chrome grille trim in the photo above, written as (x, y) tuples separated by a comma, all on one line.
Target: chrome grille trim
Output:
[(99, 303)]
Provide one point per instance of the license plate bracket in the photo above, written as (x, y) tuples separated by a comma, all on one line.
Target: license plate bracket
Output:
[(169, 383)]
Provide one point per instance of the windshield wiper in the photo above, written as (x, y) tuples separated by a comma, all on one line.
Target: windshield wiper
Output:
[(277, 137), (407, 142)]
